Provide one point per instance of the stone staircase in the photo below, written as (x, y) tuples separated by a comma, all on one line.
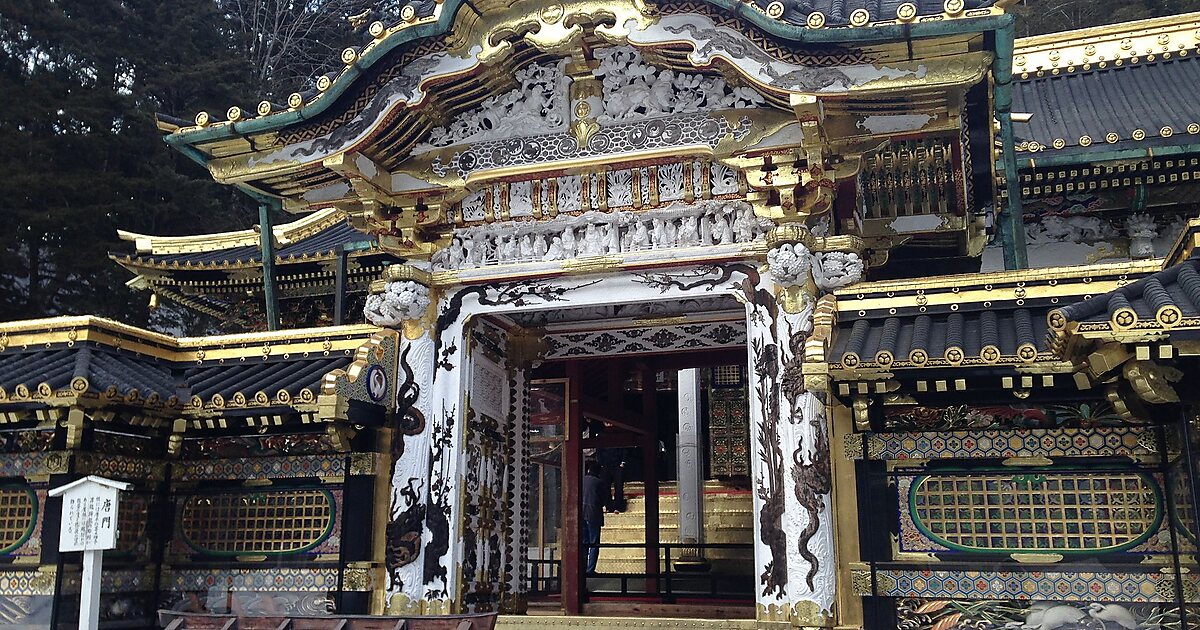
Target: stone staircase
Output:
[(728, 518)]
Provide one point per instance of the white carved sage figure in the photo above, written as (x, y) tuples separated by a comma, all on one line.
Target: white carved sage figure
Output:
[(744, 225), (593, 242), (689, 234), (399, 301), (640, 238), (789, 264), (555, 251), (568, 243), (722, 232)]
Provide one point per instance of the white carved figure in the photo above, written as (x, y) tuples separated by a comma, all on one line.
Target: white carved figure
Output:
[(640, 238), (834, 270), (527, 252), (660, 234), (403, 300), (555, 251), (456, 254), (506, 250), (789, 264), (744, 225), (633, 88), (1113, 613), (689, 234), (722, 231), (612, 239), (539, 246), (593, 242), (1142, 231), (537, 106), (568, 243)]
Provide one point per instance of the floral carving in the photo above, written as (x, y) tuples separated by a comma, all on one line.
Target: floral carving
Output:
[(399, 301)]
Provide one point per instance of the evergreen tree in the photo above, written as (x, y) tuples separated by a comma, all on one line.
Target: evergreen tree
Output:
[(80, 152)]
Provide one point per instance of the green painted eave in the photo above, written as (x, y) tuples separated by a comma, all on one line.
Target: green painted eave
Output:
[(793, 33), (1082, 158)]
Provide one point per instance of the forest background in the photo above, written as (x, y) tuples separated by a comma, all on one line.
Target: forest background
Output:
[(81, 157)]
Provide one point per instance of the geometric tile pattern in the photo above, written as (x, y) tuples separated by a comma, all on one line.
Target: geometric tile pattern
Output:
[(31, 582), (279, 579), (286, 467), (119, 467), (1090, 442), (33, 464), (113, 581), (1098, 586)]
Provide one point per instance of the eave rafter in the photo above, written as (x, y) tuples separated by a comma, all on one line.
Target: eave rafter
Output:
[(557, 30)]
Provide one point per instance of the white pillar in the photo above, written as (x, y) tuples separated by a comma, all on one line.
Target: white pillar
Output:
[(89, 595), (690, 461)]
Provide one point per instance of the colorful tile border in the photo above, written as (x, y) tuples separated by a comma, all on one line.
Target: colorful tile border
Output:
[(1100, 586), (1004, 443), (284, 579), (113, 581), (34, 464), (120, 467), (283, 467), (30, 582)]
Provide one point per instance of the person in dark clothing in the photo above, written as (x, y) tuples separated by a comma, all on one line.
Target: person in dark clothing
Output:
[(612, 462), (594, 492)]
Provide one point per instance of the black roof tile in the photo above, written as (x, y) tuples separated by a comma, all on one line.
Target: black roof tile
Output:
[(1164, 297), (1117, 99), (929, 339)]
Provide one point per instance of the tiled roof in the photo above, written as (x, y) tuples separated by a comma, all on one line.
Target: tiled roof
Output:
[(1127, 106), (973, 337), (103, 368), (61, 359), (324, 243), (1167, 299)]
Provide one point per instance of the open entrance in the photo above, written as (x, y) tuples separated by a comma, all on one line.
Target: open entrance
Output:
[(652, 449)]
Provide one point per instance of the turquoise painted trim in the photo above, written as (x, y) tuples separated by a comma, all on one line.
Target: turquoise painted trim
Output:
[(1012, 219), (333, 511), (266, 244), (797, 34), (33, 518), (1159, 503)]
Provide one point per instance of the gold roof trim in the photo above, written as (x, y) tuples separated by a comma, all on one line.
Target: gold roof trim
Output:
[(285, 234), (74, 329), (1108, 46), (1016, 287)]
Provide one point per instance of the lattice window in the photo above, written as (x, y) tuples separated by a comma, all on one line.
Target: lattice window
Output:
[(727, 376), (132, 514), (18, 515), (275, 522), (1036, 511)]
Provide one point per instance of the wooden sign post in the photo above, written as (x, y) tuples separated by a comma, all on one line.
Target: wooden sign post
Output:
[(89, 524)]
